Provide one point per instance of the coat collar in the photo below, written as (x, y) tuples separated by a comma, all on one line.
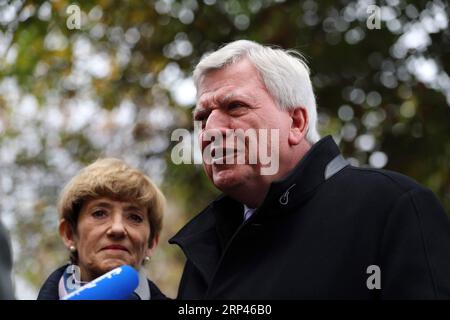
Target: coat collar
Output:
[(320, 163), (220, 220)]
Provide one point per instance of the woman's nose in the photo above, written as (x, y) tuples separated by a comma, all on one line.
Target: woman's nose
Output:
[(117, 227)]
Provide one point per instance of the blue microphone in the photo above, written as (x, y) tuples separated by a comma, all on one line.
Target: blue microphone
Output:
[(117, 284)]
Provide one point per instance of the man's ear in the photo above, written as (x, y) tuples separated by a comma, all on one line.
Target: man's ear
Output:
[(299, 125), (66, 233), (154, 245)]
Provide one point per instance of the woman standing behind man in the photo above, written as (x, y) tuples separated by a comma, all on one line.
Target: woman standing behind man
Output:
[(110, 215)]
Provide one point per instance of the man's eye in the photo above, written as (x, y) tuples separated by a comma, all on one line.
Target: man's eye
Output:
[(201, 116), (201, 119), (235, 105)]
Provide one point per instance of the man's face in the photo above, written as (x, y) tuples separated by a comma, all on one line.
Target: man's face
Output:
[(235, 97)]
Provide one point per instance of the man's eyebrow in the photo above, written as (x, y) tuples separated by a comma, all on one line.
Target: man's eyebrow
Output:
[(232, 96), (222, 100), (226, 98)]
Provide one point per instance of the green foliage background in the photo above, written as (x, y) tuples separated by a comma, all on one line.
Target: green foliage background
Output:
[(383, 96)]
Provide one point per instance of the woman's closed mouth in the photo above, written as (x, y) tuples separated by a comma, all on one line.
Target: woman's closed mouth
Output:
[(115, 247)]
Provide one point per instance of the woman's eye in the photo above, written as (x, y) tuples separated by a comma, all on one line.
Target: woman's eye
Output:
[(136, 218), (99, 213)]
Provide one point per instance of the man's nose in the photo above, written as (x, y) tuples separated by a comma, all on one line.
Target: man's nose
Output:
[(216, 126), (217, 120), (117, 228)]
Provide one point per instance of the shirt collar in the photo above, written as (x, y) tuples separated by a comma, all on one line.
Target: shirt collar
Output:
[(248, 212)]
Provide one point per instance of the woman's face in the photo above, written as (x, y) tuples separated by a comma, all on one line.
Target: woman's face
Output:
[(110, 233)]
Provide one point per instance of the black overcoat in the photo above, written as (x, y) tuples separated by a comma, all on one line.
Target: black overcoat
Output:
[(327, 231)]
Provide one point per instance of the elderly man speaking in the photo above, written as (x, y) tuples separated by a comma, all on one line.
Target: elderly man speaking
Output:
[(315, 228)]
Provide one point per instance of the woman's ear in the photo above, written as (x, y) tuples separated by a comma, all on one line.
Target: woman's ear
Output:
[(66, 233), (153, 246), (299, 125)]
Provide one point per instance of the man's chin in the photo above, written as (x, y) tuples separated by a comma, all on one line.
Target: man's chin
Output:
[(227, 180)]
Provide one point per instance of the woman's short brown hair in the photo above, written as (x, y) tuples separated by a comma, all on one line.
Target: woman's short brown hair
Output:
[(115, 179)]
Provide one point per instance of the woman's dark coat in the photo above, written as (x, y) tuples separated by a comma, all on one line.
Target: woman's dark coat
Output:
[(49, 290)]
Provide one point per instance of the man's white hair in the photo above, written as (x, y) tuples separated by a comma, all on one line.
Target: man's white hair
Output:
[(284, 73)]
